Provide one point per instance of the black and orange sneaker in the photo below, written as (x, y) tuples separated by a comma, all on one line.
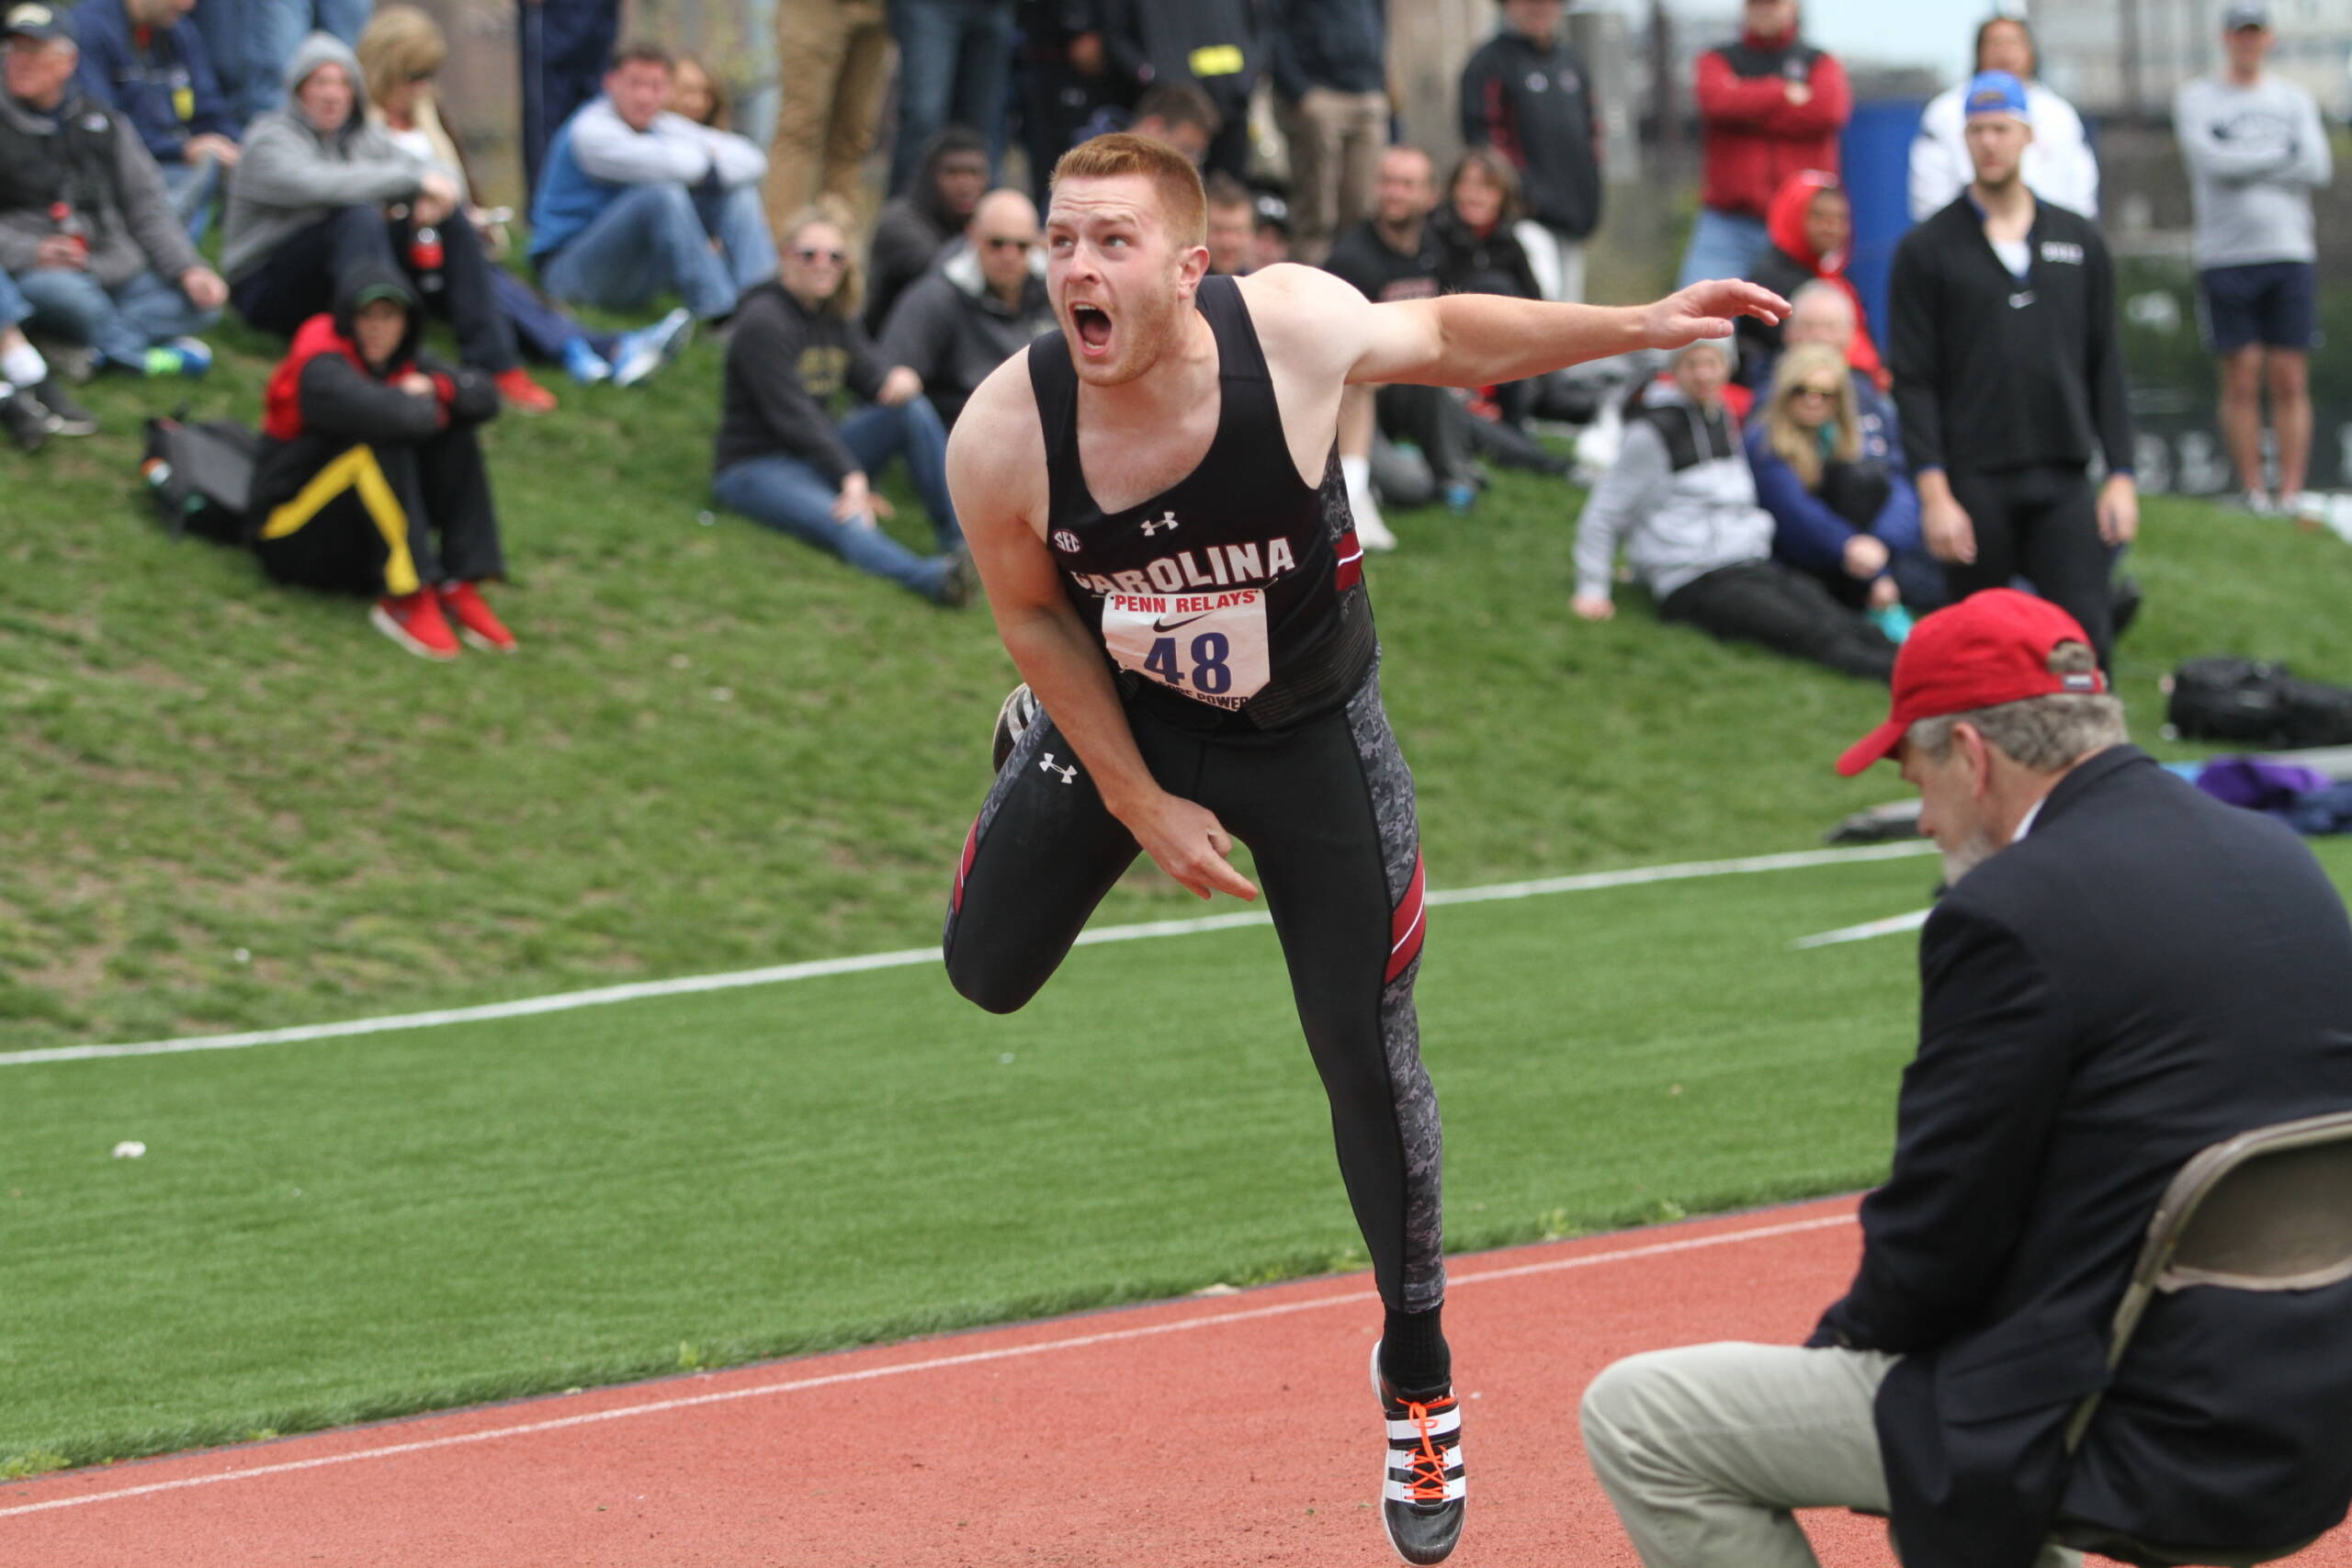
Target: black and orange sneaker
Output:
[(1012, 721), (1421, 1488)]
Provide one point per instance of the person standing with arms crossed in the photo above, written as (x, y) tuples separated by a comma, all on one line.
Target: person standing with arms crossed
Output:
[(2008, 376), (2256, 150), (1153, 498)]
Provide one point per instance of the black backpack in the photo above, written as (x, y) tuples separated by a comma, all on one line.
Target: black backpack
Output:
[(2255, 702), (202, 476)]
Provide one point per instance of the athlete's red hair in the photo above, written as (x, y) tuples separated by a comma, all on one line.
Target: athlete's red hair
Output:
[(1182, 205)]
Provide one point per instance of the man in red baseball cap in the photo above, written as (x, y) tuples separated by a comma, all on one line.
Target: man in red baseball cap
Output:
[(2000, 697), (2123, 972)]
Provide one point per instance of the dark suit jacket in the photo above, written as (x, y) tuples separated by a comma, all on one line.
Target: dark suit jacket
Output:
[(2145, 972)]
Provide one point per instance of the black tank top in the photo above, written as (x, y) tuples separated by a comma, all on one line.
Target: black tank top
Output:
[(1234, 597)]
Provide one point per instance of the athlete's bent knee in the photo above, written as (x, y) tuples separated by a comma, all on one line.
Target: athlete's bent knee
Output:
[(988, 988)]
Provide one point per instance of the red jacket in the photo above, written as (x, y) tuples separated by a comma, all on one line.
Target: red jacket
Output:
[(1785, 223), (1754, 137)]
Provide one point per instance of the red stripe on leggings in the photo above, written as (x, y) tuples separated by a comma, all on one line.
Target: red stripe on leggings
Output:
[(963, 868), (1348, 570), (1406, 925)]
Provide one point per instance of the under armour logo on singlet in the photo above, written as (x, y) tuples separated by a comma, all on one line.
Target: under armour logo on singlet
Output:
[(1068, 774), (1153, 524)]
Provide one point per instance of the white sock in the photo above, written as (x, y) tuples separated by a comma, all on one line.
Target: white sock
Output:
[(23, 364), (1357, 471)]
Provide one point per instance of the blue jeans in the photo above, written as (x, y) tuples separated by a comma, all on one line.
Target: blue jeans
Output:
[(14, 306), (955, 64), (658, 236), (1723, 244), (190, 188), (121, 323), (793, 497), (274, 29)]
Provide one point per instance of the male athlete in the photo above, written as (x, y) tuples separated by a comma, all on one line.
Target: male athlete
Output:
[(1153, 498)]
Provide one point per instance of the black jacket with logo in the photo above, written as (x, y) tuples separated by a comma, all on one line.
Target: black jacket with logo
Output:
[(1993, 371), (785, 366), (1535, 106)]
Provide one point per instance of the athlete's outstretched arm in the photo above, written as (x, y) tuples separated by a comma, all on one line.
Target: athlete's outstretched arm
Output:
[(1477, 339), (996, 476)]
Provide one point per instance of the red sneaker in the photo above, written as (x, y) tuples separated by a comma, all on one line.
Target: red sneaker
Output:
[(414, 621), (465, 606), (518, 389)]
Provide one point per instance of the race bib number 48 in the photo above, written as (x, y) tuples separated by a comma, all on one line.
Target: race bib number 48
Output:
[(1211, 646)]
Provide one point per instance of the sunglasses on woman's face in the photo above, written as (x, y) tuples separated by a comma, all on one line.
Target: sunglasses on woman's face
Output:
[(810, 256), (1814, 392)]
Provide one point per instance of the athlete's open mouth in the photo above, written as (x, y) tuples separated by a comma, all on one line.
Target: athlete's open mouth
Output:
[(1093, 325)]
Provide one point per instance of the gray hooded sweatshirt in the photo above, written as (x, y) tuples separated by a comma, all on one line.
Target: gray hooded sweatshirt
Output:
[(132, 231), (1680, 498), (292, 176)]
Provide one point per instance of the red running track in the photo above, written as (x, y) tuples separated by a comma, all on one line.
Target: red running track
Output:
[(1226, 1430)]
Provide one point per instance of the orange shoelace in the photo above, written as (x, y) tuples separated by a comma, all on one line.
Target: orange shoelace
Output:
[(1428, 1484)]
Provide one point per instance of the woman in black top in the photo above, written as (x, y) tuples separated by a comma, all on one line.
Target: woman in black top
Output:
[(1478, 253), (782, 459)]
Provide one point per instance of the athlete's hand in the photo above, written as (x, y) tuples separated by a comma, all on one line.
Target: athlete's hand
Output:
[(1190, 845), (2119, 510), (1592, 607), (1707, 310), (1950, 535)]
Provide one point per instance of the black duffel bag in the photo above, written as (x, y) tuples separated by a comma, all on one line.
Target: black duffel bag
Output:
[(2255, 702), (202, 476)]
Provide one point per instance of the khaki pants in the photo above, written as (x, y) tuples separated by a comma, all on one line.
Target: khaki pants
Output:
[(1557, 260), (1335, 144), (1705, 1450), (834, 59)]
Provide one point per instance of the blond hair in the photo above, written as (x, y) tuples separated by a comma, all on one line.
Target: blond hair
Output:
[(1184, 206), (1795, 445), (400, 44), (834, 213)]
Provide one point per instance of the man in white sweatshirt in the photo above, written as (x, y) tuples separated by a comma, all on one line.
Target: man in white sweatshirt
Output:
[(2060, 167), (635, 201), (2256, 150)]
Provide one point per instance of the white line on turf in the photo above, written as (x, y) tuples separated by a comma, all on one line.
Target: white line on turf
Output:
[(1893, 925), (932, 1364), (566, 1002)]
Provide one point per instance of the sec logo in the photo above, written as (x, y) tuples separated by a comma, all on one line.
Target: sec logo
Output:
[(1066, 541)]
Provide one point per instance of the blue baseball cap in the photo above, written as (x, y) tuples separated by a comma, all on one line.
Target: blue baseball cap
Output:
[(1997, 92)]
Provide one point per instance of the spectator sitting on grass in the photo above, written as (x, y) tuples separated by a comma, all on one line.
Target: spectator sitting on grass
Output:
[(1812, 230), (1680, 498), (1233, 226), (698, 95), (85, 229), (1178, 113), (140, 62), (1841, 512), (33, 406), (399, 54), (976, 309), (636, 201), (911, 229), (371, 478), (321, 191), (783, 461), (1479, 253)]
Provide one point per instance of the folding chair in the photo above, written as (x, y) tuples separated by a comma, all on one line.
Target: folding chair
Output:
[(2268, 1210)]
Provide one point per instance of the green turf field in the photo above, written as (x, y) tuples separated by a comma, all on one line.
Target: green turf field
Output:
[(327, 1232)]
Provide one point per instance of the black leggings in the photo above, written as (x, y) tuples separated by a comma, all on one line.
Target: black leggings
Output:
[(1784, 609), (2042, 523), (386, 519), (1326, 808)]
